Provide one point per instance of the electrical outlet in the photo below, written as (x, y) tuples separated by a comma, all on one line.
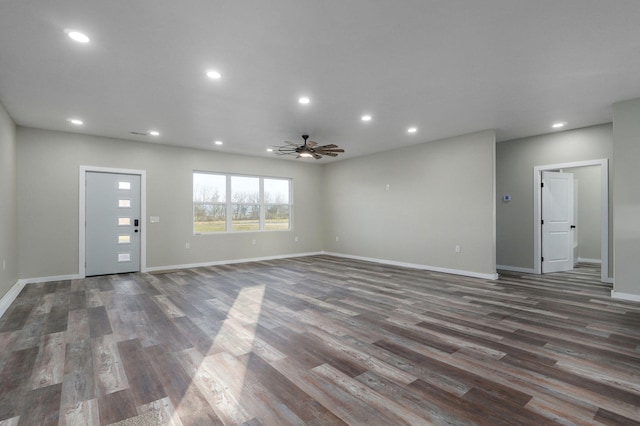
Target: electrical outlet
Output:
[(4, 264), (296, 239), (388, 187), (187, 245), (337, 238), (457, 249)]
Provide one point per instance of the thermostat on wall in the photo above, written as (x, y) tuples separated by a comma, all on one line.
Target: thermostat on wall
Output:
[(506, 198)]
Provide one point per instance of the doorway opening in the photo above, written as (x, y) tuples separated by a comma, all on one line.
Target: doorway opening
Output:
[(86, 171), (604, 206)]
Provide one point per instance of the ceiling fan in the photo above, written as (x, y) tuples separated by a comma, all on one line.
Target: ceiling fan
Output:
[(307, 149)]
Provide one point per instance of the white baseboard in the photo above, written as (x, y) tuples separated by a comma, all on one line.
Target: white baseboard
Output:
[(229, 262), (49, 279), (585, 260), (22, 282), (418, 266), (10, 296), (625, 296), (516, 269)]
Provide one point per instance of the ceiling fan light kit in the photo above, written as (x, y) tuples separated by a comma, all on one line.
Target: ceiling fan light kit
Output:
[(308, 149)]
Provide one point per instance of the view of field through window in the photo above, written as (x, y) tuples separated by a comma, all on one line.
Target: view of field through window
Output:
[(229, 203)]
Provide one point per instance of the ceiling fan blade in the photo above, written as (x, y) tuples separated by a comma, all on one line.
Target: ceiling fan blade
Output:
[(330, 154), (311, 144), (328, 150), (290, 143), (317, 156), (285, 149), (330, 146)]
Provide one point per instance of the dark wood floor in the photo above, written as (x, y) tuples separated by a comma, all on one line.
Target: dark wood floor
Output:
[(321, 340)]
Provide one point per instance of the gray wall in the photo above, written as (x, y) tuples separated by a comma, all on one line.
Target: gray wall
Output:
[(440, 195), (589, 212), (48, 201), (626, 150), (8, 203), (515, 161)]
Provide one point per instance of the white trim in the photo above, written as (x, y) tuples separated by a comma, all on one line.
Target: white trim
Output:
[(228, 203), (418, 266), (608, 280), (230, 262), (516, 269), (82, 217), (10, 296), (604, 202), (585, 260), (625, 296), (51, 279)]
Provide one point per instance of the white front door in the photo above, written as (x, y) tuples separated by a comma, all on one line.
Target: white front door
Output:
[(557, 217), (112, 225)]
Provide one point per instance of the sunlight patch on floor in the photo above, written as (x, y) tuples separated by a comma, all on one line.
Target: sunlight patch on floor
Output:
[(220, 374)]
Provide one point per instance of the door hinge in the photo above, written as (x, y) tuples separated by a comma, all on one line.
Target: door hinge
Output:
[(542, 222), (541, 184), (542, 258)]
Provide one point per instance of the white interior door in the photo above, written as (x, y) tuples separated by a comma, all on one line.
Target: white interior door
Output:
[(112, 223), (557, 218)]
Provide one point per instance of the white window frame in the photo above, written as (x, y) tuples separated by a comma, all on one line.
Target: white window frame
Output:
[(229, 204)]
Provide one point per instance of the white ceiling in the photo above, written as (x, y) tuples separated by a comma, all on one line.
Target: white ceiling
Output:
[(447, 67)]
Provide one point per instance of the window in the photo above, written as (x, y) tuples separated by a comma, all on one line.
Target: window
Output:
[(209, 203), (232, 203), (276, 204), (245, 203)]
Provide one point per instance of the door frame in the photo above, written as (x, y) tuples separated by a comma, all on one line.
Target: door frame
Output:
[(82, 213), (604, 205)]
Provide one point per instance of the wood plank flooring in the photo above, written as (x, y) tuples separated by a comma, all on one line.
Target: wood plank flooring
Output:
[(321, 341)]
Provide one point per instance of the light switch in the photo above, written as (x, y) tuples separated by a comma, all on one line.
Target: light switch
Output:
[(154, 219)]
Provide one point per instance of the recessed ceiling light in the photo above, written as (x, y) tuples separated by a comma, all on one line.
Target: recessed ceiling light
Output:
[(365, 118), (559, 125), (304, 100), (218, 142), (269, 149), (213, 74), (154, 133), (412, 129), (78, 36), (75, 121)]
